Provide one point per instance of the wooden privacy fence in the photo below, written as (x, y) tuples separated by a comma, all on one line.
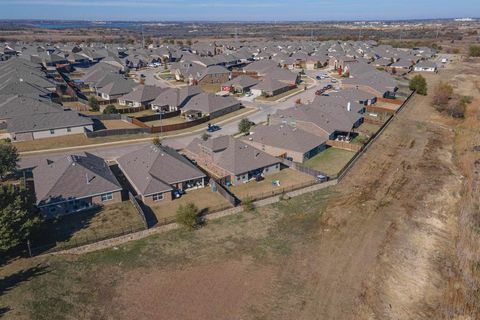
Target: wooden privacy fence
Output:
[(344, 145), (234, 201), (115, 132), (158, 116), (178, 126)]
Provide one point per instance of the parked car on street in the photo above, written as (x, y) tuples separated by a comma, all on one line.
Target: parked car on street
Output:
[(213, 127)]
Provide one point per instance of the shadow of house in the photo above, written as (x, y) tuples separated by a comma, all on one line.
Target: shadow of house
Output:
[(128, 188), (61, 229)]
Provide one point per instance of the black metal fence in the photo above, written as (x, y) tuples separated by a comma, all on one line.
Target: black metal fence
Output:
[(279, 191), (33, 250)]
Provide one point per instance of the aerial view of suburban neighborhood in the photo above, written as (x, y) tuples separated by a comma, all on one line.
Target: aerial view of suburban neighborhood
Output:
[(252, 160)]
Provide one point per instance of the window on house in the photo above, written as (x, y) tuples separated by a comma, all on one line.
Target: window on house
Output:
[(52, 131), (69, 129), (107, 196), (266, 169), (52, 209), (157, 197)]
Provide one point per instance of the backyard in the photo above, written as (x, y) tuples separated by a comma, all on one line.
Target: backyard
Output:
[(109, 220), (117, 124), (288, 178), (330, 161), (167, 121), (203, 198)]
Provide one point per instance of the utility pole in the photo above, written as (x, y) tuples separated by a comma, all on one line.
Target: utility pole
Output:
[(143, 38)]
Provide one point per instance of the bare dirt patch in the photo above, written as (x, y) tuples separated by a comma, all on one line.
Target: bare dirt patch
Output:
[(213, 291)]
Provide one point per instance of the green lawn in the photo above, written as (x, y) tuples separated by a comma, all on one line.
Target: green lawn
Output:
[(330, 161), (288, 178)]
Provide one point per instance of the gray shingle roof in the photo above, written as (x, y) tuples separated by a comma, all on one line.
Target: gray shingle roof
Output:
[(47, 121), (143, 94), (154, 169), (234, 155), (12, 106), (285, 137), (73, 176), (208, 103)]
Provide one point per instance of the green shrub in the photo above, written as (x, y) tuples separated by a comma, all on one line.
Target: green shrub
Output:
[(419, 84), (474, 50), (248, 205), (187, 216), (110, 109)]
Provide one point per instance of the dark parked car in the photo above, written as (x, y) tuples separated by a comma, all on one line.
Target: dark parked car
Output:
[(213, 127)]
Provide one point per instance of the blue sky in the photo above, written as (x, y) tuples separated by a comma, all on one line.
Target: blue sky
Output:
[(242, 10)]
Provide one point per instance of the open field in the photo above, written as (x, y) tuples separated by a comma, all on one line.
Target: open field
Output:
[(330, 161), (288, 178), (396, 239)]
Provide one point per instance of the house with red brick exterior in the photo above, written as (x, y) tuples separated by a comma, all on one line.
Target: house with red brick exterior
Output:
[(155, 173), (232, 160), (74, 183)]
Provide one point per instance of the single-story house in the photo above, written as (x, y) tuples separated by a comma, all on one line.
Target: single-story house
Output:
[(173, 99), (325, 116), (141, 96), (114, 90), (156, 172), (209, 104), (74, 183), (240, 84), (286, 141), (269, 87), (232, 160), (425, 66), (47, 125)]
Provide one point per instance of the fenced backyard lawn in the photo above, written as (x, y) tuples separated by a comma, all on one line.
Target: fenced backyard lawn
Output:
[(330, 161), (117, 124), (87, 226), (166, 121), (203, 198), (368, 128), (288, 179)]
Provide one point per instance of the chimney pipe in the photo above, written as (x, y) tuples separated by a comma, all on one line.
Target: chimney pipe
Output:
[(349, 106)]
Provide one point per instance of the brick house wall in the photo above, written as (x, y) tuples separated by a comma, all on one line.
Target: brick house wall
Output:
[(148, 200)]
